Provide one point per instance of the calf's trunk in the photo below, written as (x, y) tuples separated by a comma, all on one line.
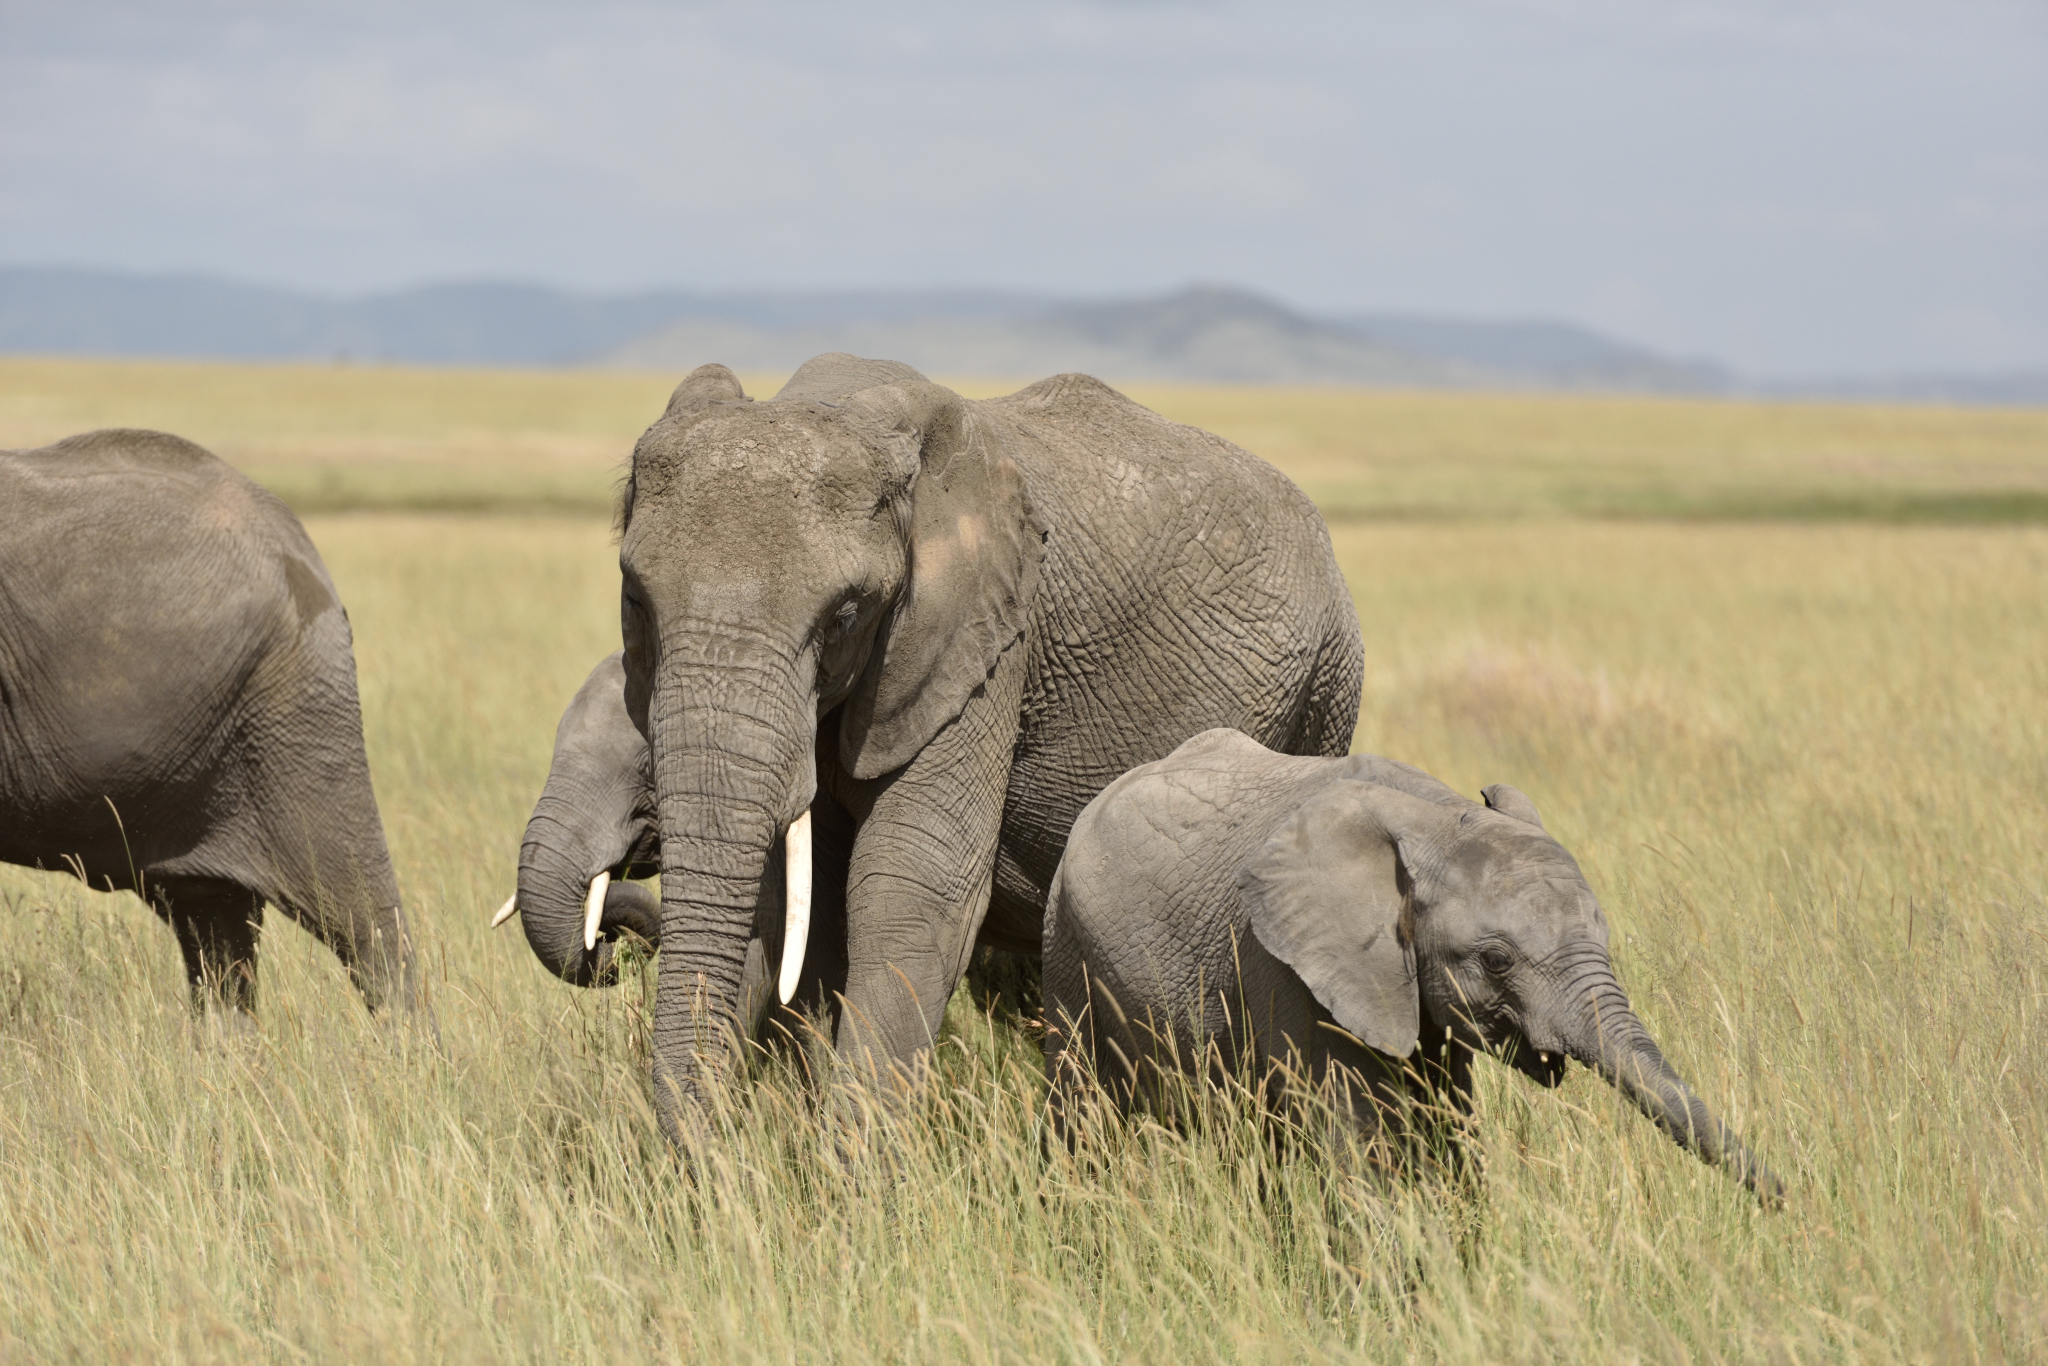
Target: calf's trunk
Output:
[(1614, 1042), (557, 870)]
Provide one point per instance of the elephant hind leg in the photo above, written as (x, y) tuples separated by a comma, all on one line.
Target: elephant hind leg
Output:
[(217, 923)]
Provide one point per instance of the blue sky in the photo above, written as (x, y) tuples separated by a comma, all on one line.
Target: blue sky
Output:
[(1794, 187)]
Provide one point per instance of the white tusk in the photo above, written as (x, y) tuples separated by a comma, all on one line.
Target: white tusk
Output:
[(505, 912), (593, 908), (796, 921)]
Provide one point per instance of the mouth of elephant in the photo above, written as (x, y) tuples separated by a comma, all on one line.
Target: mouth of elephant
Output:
[(643, 856), (1545, 1067)]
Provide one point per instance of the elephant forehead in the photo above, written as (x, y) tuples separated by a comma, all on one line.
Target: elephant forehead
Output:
[(727, 452), (1493, 849)]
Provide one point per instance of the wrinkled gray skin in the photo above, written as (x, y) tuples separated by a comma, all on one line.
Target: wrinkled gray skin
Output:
[(597, 815), (178, 712), (943, 625), (1356, 910)]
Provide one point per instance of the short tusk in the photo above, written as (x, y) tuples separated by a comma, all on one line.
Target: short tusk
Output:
[(796, 923), (506, 911), (593, 909)]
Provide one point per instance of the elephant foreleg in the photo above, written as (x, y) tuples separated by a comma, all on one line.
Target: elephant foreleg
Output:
[(216, 923), (919, 881)]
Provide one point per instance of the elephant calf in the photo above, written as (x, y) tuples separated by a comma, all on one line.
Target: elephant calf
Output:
[(594, 823), (178, 712), (594, 827), (1234, 905)]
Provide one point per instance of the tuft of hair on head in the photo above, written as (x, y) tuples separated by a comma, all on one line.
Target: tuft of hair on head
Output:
[(622, 511)]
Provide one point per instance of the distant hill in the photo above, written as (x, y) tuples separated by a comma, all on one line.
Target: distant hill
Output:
[(1558, 354), (1203, 333), (82, 312)]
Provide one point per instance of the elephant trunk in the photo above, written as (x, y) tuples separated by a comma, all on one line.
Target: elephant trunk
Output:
[(1611, 1040), (731, 781), (558, 868)]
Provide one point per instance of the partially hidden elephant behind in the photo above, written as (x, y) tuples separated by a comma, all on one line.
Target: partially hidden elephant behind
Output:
[(178, 710), (900, 638), (594, 828), (1229, 907)]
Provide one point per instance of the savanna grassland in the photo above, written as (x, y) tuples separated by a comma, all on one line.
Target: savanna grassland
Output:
[(1778, 674)]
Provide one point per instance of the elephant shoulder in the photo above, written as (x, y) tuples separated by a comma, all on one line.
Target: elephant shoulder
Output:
[(160, 515), (1071, 392), (1219, 746), (1371, 768), (1119, 438), (1085, 417), (170, 476), (146, 461), (1161, 821)]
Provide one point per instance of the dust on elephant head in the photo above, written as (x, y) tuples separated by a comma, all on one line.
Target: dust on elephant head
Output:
[(1355, 910)]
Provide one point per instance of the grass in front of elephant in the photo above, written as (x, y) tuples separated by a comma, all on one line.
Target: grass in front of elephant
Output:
[(1801, 766), (330, 438)]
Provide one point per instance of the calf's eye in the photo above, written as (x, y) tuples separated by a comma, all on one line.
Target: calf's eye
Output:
[(844, 620)]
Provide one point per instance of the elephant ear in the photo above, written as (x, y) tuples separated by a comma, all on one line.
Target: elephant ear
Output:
[(1328, 896), (705, 385), (974, 553), (1511, 801)]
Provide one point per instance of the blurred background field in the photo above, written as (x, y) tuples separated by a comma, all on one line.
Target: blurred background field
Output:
[(331, 438), (1775, 673)]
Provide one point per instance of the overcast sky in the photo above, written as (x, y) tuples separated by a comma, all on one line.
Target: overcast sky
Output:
[(1791, 186)]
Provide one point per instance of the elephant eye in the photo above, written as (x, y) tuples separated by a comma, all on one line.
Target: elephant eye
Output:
[(844, 619), (1496, 960)]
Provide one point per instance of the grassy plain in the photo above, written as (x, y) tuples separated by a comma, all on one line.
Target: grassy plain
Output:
[(332, 438), (1802, 753)]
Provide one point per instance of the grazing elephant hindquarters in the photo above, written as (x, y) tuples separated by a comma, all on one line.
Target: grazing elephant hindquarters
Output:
[(922, 632), (178, 712), (1356, 910)]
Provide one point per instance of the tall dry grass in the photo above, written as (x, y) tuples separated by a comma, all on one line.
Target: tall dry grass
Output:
[(1803, 765)]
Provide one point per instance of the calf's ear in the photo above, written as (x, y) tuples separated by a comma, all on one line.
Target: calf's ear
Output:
[(1328, 896), (1510, 801)]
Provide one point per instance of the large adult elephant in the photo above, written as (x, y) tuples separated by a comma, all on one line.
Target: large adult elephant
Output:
[(178, 712), (918, 633)]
